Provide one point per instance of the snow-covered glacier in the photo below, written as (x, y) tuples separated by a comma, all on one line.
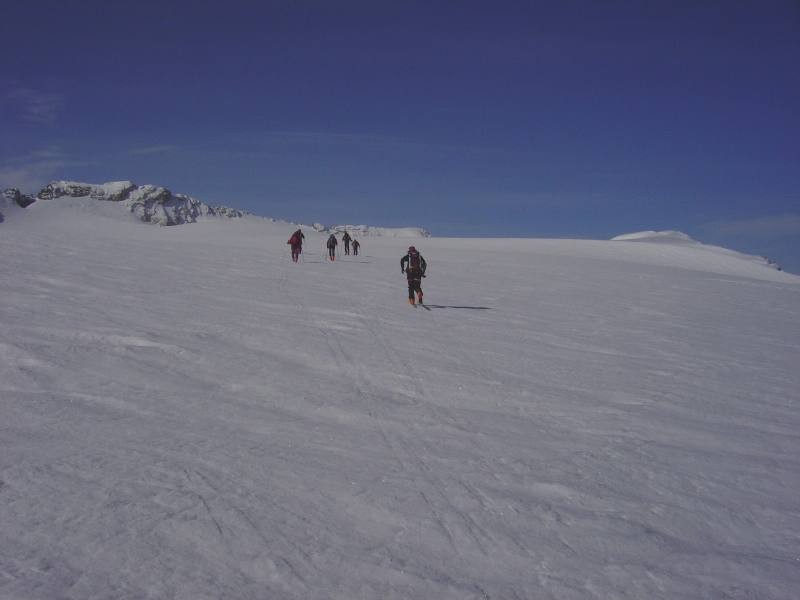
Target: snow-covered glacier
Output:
[(185, 413)]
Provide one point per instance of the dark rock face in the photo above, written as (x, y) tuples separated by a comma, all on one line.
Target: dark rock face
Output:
[(56, 189), (14, 195), (113, 192), (99, 193), (160, 206)]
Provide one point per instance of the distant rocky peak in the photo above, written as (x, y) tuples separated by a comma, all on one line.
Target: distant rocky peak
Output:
[(152, 204), (113, 191)]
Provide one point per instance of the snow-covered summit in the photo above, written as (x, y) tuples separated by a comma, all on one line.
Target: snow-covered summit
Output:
[(662, 237), (681, 240), (150, 203)]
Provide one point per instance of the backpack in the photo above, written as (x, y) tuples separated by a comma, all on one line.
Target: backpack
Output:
[(294, 240), (413, 260)]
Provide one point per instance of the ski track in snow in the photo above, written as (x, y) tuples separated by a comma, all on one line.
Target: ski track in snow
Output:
[(188, 414)]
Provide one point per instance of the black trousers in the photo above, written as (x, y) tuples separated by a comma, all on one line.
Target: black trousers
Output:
[(414, 285)]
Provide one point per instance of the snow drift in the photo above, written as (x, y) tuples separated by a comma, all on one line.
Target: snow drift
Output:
[(662, 237), (677, 238)]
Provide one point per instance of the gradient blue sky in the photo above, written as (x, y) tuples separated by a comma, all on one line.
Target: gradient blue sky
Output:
[(542, 119)]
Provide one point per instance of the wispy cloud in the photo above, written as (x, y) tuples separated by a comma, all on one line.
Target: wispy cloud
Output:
[(366, 140), (29, 178), (331, 137), (147, 150), (35, 106), (769, 227), (275, 144), (31, 171), (40, 154)]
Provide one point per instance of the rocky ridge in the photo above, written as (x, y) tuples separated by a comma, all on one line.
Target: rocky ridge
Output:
[(150, 203)]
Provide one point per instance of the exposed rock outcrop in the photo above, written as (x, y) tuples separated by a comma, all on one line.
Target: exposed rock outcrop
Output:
[(152, 204), (18, 198)]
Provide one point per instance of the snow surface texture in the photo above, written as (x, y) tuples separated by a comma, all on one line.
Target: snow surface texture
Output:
[(150, 203), (185, 413)]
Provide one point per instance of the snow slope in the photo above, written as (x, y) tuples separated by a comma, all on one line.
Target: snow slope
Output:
[(185, 413), (676, 238)]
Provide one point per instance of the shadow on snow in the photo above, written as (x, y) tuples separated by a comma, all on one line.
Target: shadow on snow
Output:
[(450, 306)]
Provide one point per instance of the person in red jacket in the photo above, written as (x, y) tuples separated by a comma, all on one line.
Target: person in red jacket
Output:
[(296, 243), (414, 266)]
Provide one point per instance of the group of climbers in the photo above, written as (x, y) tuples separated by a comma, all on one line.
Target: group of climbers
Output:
[(412, 265), (346, 240)]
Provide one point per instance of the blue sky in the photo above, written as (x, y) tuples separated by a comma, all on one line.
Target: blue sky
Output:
[(541, 119)]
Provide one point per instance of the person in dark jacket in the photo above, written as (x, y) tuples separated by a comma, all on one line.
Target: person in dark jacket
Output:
[(346, 239), (414, 266), (332, 243), (296, 243), (356, 246)]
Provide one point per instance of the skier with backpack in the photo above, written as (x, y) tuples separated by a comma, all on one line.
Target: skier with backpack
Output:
[(346, 239), (414, 267), (296, 243), (332, 243)]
